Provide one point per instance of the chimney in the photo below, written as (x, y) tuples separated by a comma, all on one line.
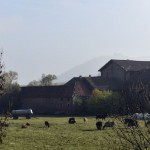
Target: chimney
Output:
[(80, 76)]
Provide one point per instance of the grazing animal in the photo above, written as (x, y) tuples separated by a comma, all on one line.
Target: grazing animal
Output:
[(47, 124), (24, 126), (85, 119), (102, 116), (130, 122), (28, 124), (71, 121), (99, 125), (109, 124)]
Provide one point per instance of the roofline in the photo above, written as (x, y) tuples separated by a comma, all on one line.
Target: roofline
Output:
[(41, 86), (112, 60)]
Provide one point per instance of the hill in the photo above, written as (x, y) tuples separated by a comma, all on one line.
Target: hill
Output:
[(90, 67)]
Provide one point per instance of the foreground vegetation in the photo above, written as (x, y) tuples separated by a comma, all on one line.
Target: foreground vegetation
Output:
[(60, 135)]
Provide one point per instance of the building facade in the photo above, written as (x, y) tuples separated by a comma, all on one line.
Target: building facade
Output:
[(61, 99), (123, 70)]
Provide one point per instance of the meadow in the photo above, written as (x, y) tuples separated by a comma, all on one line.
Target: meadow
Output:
[(60, 135)]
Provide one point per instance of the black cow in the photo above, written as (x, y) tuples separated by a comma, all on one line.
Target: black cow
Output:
[(130, 122), (109, 124), (47, 124), (71, 121), (99, 125), (28, 124), (101, 116)]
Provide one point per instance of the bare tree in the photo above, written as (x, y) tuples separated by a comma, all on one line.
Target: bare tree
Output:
[(3, 120), (137, 99)]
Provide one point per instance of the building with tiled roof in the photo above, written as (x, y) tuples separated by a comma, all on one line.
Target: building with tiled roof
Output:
[(123, 70), (60, 99)]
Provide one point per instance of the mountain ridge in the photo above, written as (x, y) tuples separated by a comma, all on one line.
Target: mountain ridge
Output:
[(87, 68)]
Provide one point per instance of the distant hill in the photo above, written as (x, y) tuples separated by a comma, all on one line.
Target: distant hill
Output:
[(90, 67)]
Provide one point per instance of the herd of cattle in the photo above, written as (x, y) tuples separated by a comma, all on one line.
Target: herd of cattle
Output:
[(100, 121), (128, 122), (131, 121)]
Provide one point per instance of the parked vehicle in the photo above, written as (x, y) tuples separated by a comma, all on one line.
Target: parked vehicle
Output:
[(22, 112)]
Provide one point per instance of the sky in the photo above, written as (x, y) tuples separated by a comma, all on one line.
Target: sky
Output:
[(52, 36)]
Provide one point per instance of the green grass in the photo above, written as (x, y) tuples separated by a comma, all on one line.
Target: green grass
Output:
[(60, 135)]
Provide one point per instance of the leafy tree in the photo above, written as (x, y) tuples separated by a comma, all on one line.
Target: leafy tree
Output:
[(10, 77), (45, 80), (5, 119), (103, 102), (10, 99), (34, 83)]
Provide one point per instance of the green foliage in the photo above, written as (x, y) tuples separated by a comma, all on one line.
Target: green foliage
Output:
[(10, 77), (79, 105), (103, 102), (34, 83), (2, 83), (45, 80), (78, 102)]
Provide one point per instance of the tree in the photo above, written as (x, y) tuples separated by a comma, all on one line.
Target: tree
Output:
[(137, 99), (10, 100), (79, 106), (34, 83), (11, 77), (103, 102), (136, 96), (2, 82), (45, 80)]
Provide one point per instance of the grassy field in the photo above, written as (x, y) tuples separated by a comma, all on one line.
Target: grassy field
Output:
[(60, 135)]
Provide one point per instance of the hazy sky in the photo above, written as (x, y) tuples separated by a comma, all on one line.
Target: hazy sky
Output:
[(52, 36)]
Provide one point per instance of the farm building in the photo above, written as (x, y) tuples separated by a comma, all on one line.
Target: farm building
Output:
[(60, 99), (123, 70)]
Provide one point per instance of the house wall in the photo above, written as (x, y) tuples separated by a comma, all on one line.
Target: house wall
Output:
[(48, 105), (130, 74), (112, 70)]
